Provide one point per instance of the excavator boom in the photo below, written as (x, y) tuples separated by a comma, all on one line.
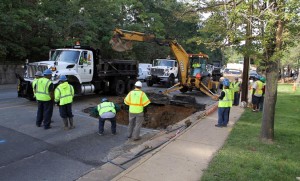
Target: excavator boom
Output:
[(122, 39)]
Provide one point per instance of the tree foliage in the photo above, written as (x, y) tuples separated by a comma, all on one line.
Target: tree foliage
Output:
[(273, 25), (29, 28)]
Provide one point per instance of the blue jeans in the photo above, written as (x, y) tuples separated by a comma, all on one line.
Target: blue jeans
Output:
[(113, 124), (223, 116)]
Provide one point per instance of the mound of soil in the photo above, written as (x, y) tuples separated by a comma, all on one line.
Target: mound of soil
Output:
[(156, 117)]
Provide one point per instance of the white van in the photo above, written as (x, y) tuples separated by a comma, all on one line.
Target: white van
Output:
[(144, 71)]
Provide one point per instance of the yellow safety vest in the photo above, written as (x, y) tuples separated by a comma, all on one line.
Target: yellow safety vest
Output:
[(136, 100), (231, 90), (236, 86), (106, 107), (42, 89), (64, 93), (227, 100), (33, 85), (196, 65), (258, 90)]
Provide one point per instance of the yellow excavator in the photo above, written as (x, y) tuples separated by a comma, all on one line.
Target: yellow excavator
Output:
[(192, 67)]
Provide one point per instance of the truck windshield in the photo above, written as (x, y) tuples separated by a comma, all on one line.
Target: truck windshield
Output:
[(69, 56), (168, 63)]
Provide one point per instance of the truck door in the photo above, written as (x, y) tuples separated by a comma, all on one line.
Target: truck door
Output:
[(85, 67)]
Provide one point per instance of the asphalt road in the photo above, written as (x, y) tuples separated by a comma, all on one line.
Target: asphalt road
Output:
[(32, 153), (29, 153)]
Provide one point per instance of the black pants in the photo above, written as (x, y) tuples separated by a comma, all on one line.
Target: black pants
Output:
[(112, 121), (236, 100), (65, 111), (44, 112)]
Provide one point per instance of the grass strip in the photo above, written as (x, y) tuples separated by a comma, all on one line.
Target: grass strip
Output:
[(244, 157)]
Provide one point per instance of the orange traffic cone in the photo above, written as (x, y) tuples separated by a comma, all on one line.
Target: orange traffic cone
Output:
[(294, 87)]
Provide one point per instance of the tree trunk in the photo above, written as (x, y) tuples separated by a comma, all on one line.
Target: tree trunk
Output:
[(267, 128), (273, 47)]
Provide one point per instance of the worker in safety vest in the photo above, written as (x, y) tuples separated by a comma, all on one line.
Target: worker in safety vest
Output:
[(225, 103), (261, 102), (137, 101), (196, 68), (257, 93), (38, 75), (107, 111), (236, 89), (44, 96), (64, 94)]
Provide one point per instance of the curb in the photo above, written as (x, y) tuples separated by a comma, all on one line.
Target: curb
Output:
[(198, 118), (163, 140)]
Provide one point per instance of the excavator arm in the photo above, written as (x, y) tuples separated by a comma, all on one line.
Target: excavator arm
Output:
[(122, 41), (181, 56)]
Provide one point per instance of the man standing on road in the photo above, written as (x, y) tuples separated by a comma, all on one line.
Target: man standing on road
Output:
[(237, 89), (225, 103), (44, 96), (137, 101), (64, 94), (257, 93), (107, 111), (38, 75)]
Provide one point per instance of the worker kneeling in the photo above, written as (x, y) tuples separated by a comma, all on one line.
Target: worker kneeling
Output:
[(107, 111)]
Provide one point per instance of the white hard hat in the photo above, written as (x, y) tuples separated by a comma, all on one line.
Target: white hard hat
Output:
[(138, 84)]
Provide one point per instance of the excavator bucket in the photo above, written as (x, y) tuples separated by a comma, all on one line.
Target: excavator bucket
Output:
[(120, 45)]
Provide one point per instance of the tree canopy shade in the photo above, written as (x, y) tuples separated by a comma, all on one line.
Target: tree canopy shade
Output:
[(30, 28)]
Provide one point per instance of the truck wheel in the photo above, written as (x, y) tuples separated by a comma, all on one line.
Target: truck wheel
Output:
[(130, 85), (119, 87), (149, 83), (183, 89), (171, 81)]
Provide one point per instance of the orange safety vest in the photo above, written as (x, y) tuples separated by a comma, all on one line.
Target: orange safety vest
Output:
[(136, 100)]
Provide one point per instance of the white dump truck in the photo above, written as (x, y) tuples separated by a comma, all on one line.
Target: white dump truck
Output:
[(85, 70)]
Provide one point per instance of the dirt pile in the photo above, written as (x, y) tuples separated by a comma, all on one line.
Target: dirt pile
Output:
[(160, 113)]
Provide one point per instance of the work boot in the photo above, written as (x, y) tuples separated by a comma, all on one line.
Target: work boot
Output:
[(71, 123), (65, 120)]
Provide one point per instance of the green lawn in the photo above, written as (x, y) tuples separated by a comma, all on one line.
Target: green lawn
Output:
[(244, 157)]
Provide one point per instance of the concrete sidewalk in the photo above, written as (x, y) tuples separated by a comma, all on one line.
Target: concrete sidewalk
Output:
[(186, 156), (183, 157)]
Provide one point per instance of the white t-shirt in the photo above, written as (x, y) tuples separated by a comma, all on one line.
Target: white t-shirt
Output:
[(108, 115)]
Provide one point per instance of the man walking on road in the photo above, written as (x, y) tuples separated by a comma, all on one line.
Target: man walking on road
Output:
[(137, 101), (44, 96), (107, 111), (64, 94)]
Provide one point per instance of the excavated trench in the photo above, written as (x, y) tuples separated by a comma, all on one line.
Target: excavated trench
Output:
[(162, 112)]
